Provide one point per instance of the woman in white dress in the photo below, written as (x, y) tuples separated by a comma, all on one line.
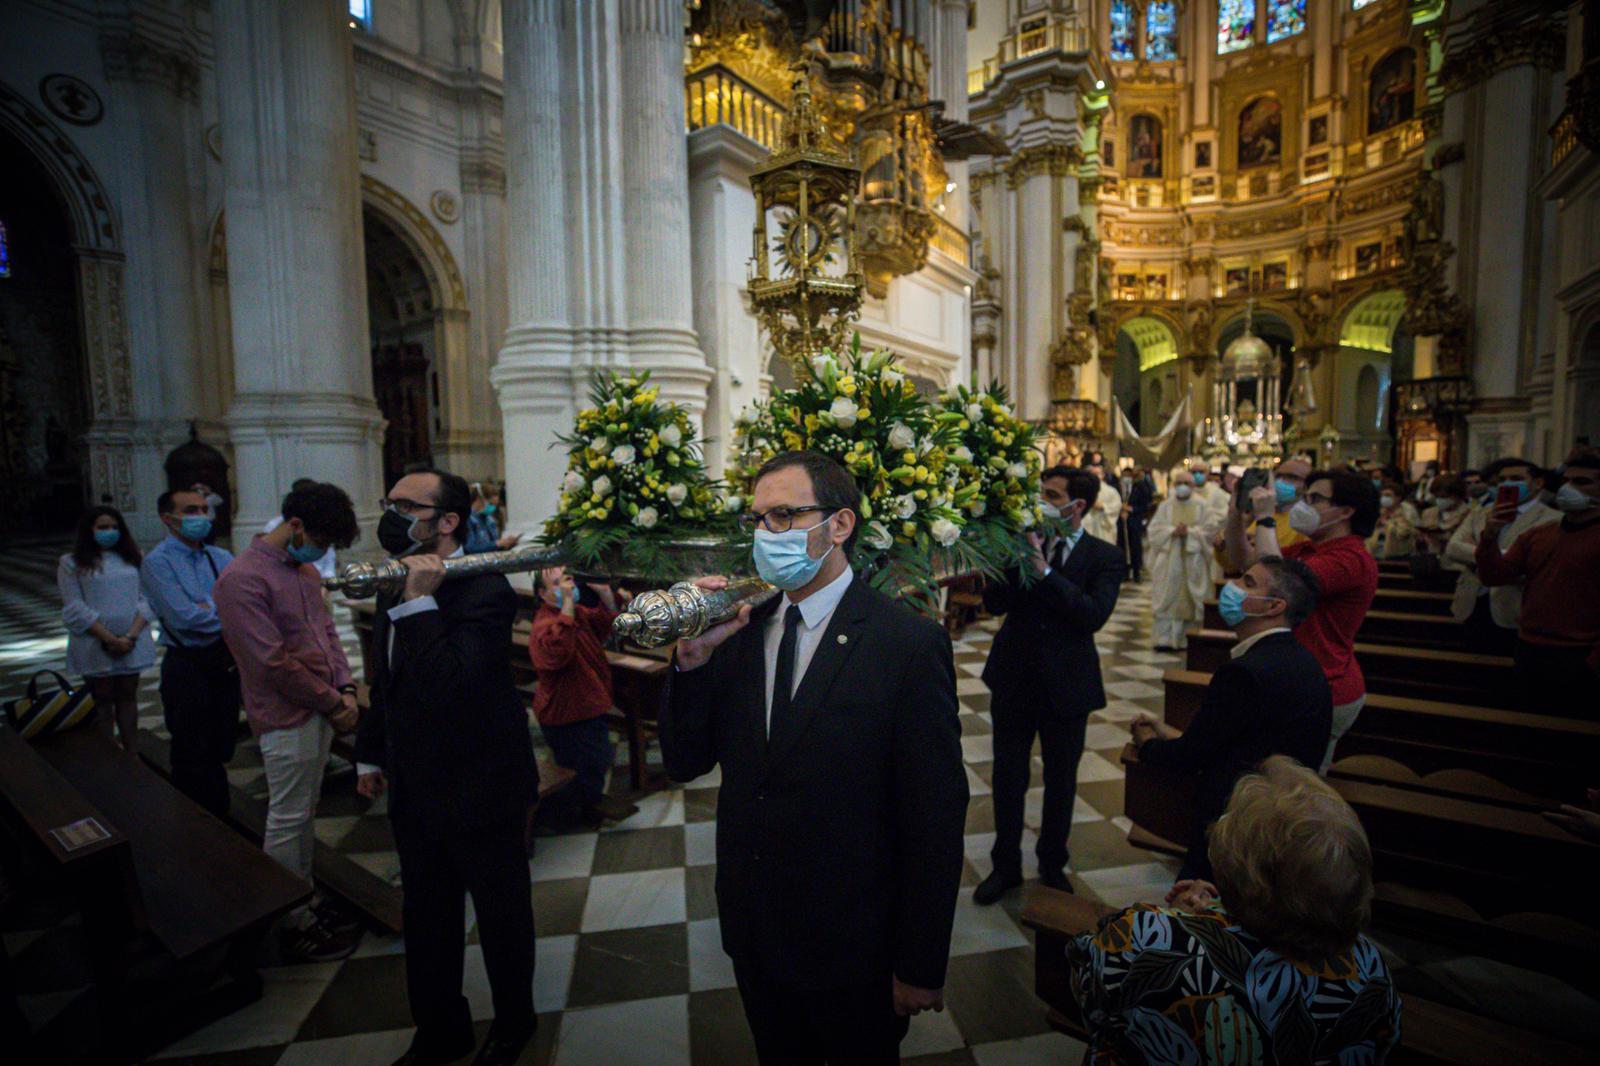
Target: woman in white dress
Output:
[(106, 616)]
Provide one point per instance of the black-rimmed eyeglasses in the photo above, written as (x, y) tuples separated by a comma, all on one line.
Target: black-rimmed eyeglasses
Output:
[(780, 519), (406, 507)]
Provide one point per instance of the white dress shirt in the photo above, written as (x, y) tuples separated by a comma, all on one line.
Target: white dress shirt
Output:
[(815, 610), (1247, 643)]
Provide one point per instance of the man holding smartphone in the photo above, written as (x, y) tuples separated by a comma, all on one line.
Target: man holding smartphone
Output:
[(1490, 615)]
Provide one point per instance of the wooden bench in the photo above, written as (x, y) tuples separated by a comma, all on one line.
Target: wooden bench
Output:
[(1410, 601), (1405, 628), (169, 879), (1421, 673), (1544, 755)]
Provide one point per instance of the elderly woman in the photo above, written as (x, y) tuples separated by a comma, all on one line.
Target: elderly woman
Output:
[(1268, 965)]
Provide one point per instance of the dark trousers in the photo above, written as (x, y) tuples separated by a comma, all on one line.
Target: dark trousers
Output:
[(1544, 668), (1136, 546), (200, 704), (1484, 636), (854, 1025), (1019, 715), (585, 748), (439, 865)]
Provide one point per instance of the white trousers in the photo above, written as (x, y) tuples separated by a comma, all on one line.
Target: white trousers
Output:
[(1344, 716), (294, 760), (1170, 632)]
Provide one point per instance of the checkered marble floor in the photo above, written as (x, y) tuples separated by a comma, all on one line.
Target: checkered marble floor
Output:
[(630, 965)]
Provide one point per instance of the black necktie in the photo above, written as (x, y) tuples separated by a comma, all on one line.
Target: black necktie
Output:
[(1060, 554), (783, 682)]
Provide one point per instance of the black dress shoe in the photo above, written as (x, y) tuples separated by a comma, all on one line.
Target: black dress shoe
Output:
[(1057, 881), (503, 1049), (416, 1056), (997, 884)]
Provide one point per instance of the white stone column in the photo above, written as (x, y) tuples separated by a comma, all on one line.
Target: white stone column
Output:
[(947, 81), (302, 401), (655, 203), (534, 375)]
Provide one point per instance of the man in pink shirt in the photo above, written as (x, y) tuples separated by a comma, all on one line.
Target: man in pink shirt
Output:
[(297, 686)]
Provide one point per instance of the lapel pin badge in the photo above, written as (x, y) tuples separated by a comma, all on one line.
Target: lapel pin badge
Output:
[(843, 639)]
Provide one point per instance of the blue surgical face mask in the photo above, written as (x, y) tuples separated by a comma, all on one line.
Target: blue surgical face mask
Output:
[(783, 559), (107, 538), (1199, 477), (195, 526), (1285, 492), (1230, 604), (306, 552)]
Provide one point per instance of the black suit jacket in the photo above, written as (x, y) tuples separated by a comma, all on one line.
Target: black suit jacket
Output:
[(1272, 700), (1140, 498), (839, 838), (446, 723), (1048, 635)]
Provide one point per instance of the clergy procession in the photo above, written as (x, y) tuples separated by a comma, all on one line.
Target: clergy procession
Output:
[(799, 532)]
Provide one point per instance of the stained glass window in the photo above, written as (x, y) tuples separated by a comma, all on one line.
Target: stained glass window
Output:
[(1285, 18), (5, 253), (1161, 30), (361, 11), (1121, 29), (1236, 25)]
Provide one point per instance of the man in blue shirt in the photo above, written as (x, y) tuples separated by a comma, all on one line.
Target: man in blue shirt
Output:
[(199, 683)]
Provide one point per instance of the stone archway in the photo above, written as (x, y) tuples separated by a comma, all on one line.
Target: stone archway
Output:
[(99, 267)]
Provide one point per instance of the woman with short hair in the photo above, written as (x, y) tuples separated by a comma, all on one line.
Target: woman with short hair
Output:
[(106, 616), (1267, 965)]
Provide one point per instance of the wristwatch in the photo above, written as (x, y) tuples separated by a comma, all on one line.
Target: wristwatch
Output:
[(1270, 523)]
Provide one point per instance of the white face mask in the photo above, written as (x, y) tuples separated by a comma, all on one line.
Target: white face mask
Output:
[(1049, 510), (1304, 518), (1570, 499), (1182, 492), (1386, 500)]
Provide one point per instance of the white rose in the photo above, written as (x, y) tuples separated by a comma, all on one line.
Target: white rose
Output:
[(1017, 470), (624, 455), (878, 536), (602, 486), (893, 376), (977, 507), (676, 494), (646, 518), (843, 411), (974, 412), (905, 506), (601, 445), (945, 532), (901, 437), (573, 482), (671, 436), (733, 504), (961, 453), (1028, 518)]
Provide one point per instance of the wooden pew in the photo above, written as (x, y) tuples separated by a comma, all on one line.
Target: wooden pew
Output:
[(1421, 673), (1545, 755), (168, 879), (1405, 628), (1429, 1032)]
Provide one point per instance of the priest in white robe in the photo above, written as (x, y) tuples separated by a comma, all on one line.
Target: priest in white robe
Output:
[(1101, 519), (1180, 554)]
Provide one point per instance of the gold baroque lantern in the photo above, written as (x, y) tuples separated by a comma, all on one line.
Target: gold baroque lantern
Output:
[(806, 201)]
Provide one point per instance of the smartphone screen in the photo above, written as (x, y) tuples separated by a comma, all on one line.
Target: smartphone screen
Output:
[(1507, 496)]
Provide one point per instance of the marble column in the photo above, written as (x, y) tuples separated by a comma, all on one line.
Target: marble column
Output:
[(947, 81), (302, 402), (534, 375), (655, 204)]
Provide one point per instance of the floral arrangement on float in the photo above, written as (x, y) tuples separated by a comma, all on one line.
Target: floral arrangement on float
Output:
[(636, 489), (945, 486)]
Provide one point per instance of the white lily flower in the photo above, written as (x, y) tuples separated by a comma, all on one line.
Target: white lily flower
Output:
[(945, 532), (878, 536), (905, 506), (676, 494)]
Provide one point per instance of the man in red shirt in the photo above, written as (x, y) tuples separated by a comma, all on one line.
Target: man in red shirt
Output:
[(1336, 515), (1558, 631), (573, 690)]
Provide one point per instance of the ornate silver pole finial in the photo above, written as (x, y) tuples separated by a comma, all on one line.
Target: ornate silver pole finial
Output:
[(656, 618), (359, 581)]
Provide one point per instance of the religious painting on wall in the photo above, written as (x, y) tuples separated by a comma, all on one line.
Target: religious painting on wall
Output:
[(1236, 25), (1155, 287), (1205, 186), (1392, 90), (1367, 256), (1275, 275), (1261, 132), (1236, 280), (1202, 154), (1144, 147), (1319, 130), (1127, 286)]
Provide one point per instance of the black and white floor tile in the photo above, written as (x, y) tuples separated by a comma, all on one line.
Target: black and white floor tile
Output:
[(630, 965)]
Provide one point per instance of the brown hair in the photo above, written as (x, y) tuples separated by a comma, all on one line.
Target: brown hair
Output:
[(86, 551), (1293, 864)]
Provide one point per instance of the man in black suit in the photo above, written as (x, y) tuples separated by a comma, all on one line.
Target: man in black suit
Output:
[(1044, 674), (1140, 499), (1270, 698), (448, 735), (832, 712)]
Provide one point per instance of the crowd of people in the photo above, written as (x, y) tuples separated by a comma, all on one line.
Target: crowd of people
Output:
[(831, 713)]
